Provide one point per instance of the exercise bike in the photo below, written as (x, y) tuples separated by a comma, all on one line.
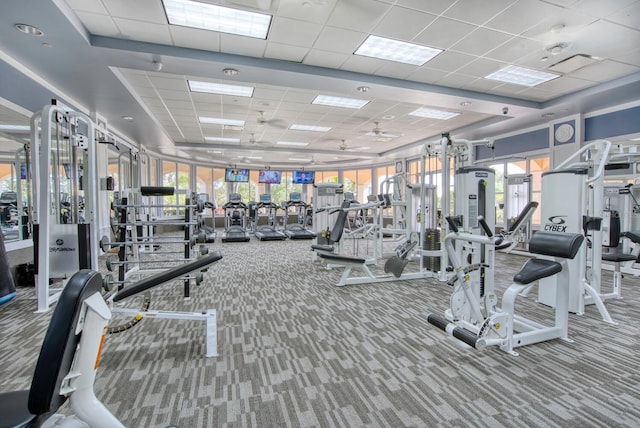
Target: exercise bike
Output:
[(475, 320), (70, 354)]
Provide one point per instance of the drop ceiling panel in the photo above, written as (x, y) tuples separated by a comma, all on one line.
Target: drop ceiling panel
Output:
[(396, 70), (455, 80), (311, 12), (139, 10), (629, 16), (98, 24), (450, 61), (536, 94), (358, 15), (293, 32), (339, 40), (476, 12), (443, 33), (362, 64), (195, 38), (481, 85), (144, 31), (169, 83), (240, 45), (427, 75), (413, 22), (605, 70), (481, 67), (172, 98), (514, 49), (481, 41), (522, 15), (432, 6), (565, 84), (322, 58), (93, 6), (285, 52), (619, 41), (602, 8)]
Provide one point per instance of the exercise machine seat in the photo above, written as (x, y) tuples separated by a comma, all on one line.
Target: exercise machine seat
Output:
[(617, 257), (563, 245), (343, 259), (535, 269), (24, 408)]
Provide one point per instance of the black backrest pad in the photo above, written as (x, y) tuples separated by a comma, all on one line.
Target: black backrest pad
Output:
[(565, 245), (338, 227), (614, 229), (60, 341)]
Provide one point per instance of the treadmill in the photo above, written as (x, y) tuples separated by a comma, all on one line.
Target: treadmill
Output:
[(235, 220), (297, 230), (269, 231)]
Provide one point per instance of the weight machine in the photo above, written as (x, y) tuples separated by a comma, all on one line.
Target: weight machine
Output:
[(64, 228), (474, 319), (573, 203)]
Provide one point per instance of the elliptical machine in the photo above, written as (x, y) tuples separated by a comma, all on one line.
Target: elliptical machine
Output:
[(235, 223)]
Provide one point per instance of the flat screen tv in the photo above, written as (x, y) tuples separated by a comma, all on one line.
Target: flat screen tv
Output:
[(303, 177), (268, 176), (236, 175)]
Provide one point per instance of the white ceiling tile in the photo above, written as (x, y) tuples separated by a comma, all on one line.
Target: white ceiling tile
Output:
[(481, 41), (572, 22), (565, 84), (443, 33), (454, 80), (293, 32), (604, 71), (285, 52), (362, 64), (481, 85), (100, 25), (195, 38), (296, 96), (413, 22), (481, 67), (339, 40), (153, 102), (144, 31), (170, 84), (523, 15), (476, 12), (632, 57), (358, 15), (619, 40), (94, 6), (261, 93), (629, 16), (513, 49), (507, 89), (310, 12), (396, 70), (139, 10), (173, 103), (431, 6), (536, 94), (145, 91), (450, 61), (325, 59), (427, 75), (240, 45), (601, 8)]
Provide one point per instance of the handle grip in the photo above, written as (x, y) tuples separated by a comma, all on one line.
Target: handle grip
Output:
[(485, 227), (452, 222)]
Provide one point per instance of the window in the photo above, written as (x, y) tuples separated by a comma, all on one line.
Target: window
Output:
[(536, 167), (499, 177)]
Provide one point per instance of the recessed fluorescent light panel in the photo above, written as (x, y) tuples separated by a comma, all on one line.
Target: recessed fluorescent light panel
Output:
[(218, 121), (223, 139), (292, 143), (220, 88), (521, 76), (297, 127), (433, 113), (217, 18), (300, 159), (395, 50), (328, 100)]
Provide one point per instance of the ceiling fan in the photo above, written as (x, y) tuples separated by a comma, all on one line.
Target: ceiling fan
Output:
[(262, 120), (378, 132), (253, 141)]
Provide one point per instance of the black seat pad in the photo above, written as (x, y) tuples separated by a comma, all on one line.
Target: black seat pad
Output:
[(339, 258), (617, 257), (327, 248), (535, 269)]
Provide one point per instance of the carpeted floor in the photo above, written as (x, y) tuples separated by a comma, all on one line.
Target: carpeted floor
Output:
[(296, 351)]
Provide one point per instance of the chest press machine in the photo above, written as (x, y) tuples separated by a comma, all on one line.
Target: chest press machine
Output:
[(476, 321)]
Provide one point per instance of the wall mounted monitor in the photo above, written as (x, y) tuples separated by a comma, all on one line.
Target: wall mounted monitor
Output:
[(236, 175), (268, 176), (303, 177)]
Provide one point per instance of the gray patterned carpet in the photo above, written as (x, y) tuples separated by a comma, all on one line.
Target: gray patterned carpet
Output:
[(295, 351)]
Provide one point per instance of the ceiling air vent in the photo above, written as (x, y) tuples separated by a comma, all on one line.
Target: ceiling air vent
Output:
[(572, 63)]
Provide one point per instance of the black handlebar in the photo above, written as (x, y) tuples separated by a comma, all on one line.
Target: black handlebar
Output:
[(485, 227), (167, 275), (452, 222)]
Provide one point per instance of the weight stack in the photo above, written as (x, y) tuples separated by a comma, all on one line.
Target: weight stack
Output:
[(431, 243)]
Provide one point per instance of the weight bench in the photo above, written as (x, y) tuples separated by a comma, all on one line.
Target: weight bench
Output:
[(349, 264)]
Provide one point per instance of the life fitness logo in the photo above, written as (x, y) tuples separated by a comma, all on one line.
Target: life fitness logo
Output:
[(556, 224), (60, 248)]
